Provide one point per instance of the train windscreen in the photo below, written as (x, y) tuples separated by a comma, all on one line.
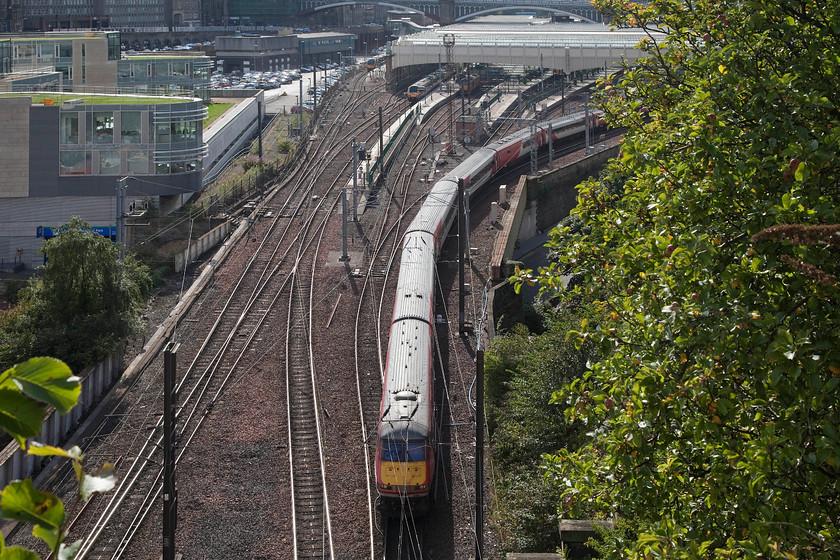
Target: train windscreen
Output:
[(403, 452)]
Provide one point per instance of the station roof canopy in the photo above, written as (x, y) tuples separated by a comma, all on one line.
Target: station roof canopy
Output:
[(521, 41)]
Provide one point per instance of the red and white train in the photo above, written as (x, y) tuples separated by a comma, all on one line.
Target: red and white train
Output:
[(405, 457)]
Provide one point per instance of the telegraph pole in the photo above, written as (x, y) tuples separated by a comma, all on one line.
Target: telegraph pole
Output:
[(550, 147), (534, 148), (170, 493), (355, 176), (381, 146), (479, 452), (344, 256), (259, 128), (121, 188), (461, 237), (586, 121)]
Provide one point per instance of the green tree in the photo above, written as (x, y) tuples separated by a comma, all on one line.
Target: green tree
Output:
[(25, 391), (83, 305), (714, 413), (522, 371)]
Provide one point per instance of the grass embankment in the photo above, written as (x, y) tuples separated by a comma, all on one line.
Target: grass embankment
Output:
[(245, 172), (94, 99), (214, 111)]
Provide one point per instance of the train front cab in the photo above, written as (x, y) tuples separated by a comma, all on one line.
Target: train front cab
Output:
[(404, 468)]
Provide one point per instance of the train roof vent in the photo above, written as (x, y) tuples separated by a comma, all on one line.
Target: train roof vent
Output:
[(405, 396)]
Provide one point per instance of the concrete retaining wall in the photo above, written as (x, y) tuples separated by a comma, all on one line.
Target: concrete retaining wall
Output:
[(202, 244), (230, 133), (16, 464), (233, 92), (553, 195)]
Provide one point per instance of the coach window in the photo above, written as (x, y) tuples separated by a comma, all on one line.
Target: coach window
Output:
[(103, 127)]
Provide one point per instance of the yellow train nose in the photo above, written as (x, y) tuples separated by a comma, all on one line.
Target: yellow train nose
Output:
[(404, 474)]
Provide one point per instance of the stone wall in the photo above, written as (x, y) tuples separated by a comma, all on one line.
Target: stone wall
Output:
[(555, 193)]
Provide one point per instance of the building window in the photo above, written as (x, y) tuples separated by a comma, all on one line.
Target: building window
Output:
[(184, 131), (130, 127), (103, 127), (74, 163), (114, 52), (69, 128), (138, 162), (66, 71), (163, 133), (109, 162)]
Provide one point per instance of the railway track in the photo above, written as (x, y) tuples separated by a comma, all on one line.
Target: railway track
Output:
[(236, 335), (220, 351), (403, 538)]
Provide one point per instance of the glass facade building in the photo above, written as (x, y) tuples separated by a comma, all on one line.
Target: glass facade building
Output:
[(137, 139), (92, 63)]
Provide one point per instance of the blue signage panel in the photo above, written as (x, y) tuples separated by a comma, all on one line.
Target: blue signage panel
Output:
[(105, 231)]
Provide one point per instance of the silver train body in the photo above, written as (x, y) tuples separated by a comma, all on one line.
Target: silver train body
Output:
[(421, 87), (405, 458)]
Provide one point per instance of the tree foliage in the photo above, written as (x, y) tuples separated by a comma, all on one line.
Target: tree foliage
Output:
[(522, 371), (714, 412), (25, 391), (83, 305)]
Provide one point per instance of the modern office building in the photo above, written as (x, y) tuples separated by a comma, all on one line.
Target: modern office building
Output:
[(169, 73), (257, 52), (318, 48), (262, 12), (47, 15), (91, 62), (280, 51), (63, 156)]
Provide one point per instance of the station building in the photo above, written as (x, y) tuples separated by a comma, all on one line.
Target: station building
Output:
[(64, 155), (318, 48), (256, 52), (282, 51)]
